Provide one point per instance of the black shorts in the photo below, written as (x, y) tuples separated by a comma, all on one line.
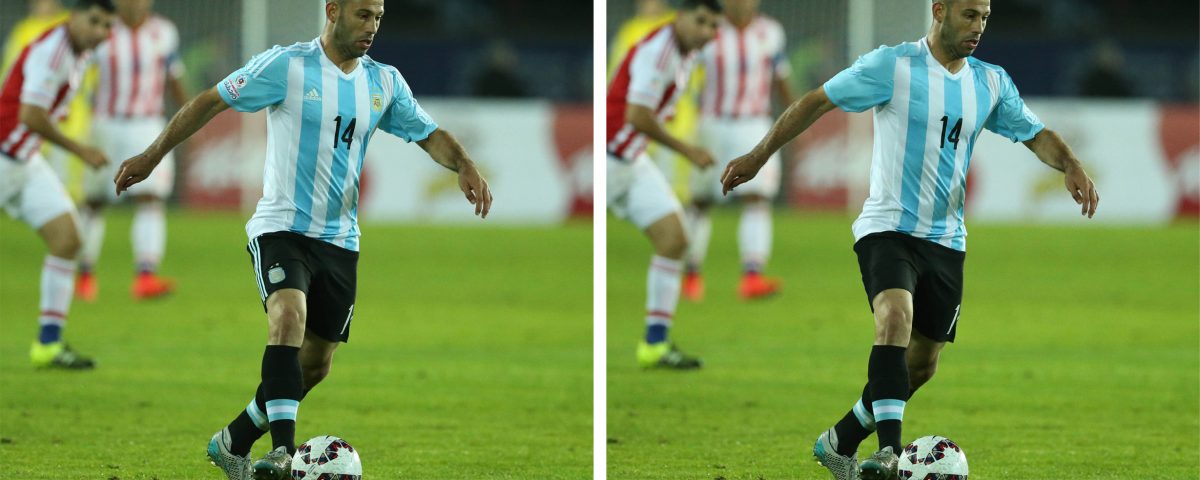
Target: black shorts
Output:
[(325, 273), (931, 272)]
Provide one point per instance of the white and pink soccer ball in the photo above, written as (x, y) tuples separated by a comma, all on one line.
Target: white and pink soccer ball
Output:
[(326, 458), (933, 458)]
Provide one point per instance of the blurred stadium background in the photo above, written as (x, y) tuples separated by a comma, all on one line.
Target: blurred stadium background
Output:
[(472, 349), (1058, 309), (1118, 79)]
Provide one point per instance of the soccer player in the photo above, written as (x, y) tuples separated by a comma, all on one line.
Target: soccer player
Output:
[(742, 66), (641, 96), (304, 234), (138, 63), (36, 93), (931, 100)]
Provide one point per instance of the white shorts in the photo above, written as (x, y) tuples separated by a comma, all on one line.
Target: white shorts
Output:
[(638, 192), (120, 140), (727, 139), (32, 192)]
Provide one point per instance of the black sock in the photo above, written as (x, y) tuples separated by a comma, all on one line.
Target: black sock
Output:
[(887, 372), (250, 425), (283, 387), (850, 429)]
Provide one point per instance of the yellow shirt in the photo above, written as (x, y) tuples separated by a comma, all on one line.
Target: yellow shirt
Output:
[(27, 31)]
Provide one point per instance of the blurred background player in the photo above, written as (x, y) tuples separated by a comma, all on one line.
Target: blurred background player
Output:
[(138, 63), (36, 92), (742, 66), (44, 15), (931, 99), (304, 234), (641, 95)]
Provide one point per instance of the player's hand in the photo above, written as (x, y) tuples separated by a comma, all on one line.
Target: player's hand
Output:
[(476, 189), (93, 157), (740, 171), (1082, 189), (699, 157), (134, 170)]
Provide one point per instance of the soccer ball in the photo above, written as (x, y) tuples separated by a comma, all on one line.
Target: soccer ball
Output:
[(933, 458), (326, 458)]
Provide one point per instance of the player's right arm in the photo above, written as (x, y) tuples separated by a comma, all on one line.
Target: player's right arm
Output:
[(644, 121), (259, 84), (866, 84), (37, 120), (194, 115)]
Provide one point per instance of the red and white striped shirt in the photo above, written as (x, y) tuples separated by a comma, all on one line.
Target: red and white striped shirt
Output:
[(134, 64), (46, 75), (739, 67), (653, 74)]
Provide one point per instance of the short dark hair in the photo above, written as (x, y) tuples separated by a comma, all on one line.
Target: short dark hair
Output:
[(106, 5), (714, 5)]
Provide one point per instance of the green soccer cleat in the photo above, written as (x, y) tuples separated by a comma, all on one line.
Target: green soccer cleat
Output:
[(825, 451), (880, 466), (275, 465), (236, 467), (58, 355), (665, 355)]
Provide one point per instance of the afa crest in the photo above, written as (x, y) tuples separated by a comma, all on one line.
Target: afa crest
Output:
[(377, 102)]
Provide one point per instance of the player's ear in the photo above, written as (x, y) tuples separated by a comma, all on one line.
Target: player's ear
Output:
[(331, 11)]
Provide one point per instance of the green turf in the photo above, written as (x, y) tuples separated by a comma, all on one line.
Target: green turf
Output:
[(1076, 358), (470, 357)]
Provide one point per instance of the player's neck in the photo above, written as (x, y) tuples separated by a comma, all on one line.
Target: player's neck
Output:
[(742, 22), (951, 63), (344, 62), (134, 22)]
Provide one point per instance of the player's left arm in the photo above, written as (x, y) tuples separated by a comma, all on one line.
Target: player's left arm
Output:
[(1053, 151), (444, 149)]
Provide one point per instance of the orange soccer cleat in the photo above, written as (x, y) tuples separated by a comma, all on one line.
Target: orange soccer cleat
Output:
[(149, 286), (755, 286), (87, 288), (693, 287)]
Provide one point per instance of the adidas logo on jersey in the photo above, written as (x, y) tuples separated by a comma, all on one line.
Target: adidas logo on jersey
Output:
[(312, 95)]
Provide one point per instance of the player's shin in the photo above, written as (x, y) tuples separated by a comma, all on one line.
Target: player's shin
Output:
[(887, 373), (754, 236), (283, 387), (662, 296), (249, 425), (856, 425)]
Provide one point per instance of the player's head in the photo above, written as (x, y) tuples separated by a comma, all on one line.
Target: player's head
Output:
[(959, 24), (133, 9), (90, 22), (696, 22), (353, 24), (742, 9)]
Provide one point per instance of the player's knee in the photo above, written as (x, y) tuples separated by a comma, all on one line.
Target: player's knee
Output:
[(66, 245), (286, 325), (674, 246), (892, 324)]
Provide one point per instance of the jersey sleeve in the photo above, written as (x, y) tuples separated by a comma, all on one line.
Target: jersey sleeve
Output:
[(866, 84), (42, 82), (405, 118), (259, 84), (1011, 118), (647, 84)]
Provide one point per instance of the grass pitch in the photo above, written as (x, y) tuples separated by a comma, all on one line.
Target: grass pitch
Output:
[(469, 357), (1076, 358)]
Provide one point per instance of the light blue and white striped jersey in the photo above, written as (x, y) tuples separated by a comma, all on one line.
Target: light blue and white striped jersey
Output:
[(926, 123), (319, 122)]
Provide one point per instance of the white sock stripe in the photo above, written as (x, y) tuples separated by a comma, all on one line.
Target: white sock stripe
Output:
[(881, 410), (61, 263), (257, 416), (865, 418)]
